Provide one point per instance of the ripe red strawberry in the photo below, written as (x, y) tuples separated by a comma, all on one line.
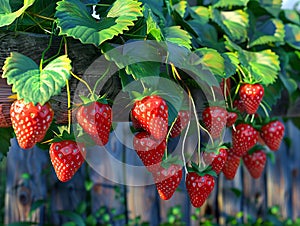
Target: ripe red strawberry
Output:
[(216, 159), (151, 113), (180, 123), (231, 118), (149, 150), (214, 119), (66, 157), (244, 137), (255, 163), (239, 105), (96, 118), (30, 122), (231, 165), (199, 187), (272, 134), (251, 95), (167, 180)]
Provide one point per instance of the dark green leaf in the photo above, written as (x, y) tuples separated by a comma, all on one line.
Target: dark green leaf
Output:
[(180, 7), (143, 69), (292, 16), (236, 191), (270, 31), (272, 6), (229, 4), (178, 36), (273, 93), (234, 23), (34, 85), (76, 218), (264, 66), (6, 14), (5, 135), (231, 61), (212, 59), (292, 35), (200, 13), (37, 204), (152, 26), (74, 20)]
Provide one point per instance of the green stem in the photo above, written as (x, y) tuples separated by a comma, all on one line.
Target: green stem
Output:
[(183, 146), (81, 80), (41, 16), (37, 23), (100, 79), (265, 110), (69, 106), (198, 130), (213, 93), (48, 47), (56, 55)]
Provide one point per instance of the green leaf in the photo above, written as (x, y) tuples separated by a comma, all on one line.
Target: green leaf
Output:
[(263, 66), (75, 20), (234, 23), (143, 69), (180, 7), (292, 36), (231, 61), (6, 135), (152, 26), (212, 59), (176, 35), (292, 16), (200, 13), (272, 6), (270, 31), (6, 14), (273, 93), (237, 192), (230, 4), (76, 218), (34, 85)]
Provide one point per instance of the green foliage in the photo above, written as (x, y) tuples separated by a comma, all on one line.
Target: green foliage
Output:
[(7, 16), (75, 20), (33, 84)]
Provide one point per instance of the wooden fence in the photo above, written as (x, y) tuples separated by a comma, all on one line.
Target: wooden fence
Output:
[(31, 182), (30, 179)]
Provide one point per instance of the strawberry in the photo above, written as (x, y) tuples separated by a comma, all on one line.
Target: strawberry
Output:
[(244, 137), (167, 180), (255, 163), (30, 122), (96, 118), (149, 150), (238, 104), (214, 119), (251, 96), (151, 113), (180, 123), (231, 118), (272, 134), (216, 159), (66, 157), (199, 187), (231, 165)]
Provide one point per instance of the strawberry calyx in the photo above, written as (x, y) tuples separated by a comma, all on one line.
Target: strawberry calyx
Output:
[(63, 134), (171, 160), (212, 148), (256, 147), (201, 170), (93, 98)]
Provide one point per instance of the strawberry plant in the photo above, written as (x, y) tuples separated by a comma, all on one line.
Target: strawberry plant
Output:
[(205, 68)]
